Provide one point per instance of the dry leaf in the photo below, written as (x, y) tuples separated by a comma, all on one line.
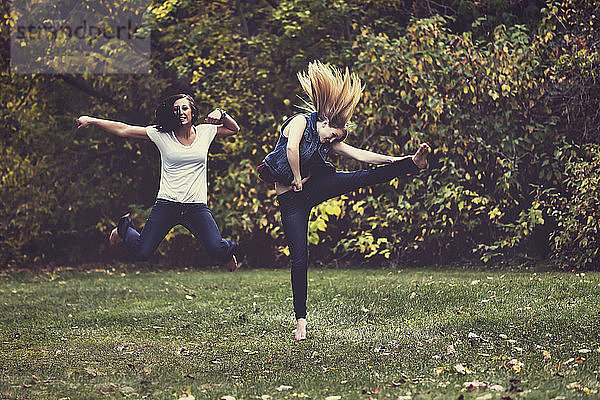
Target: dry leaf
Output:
[(333, 398), (515, 365), (283, 387), (475, 385), (546, 355), (439, 370), (461, 369)]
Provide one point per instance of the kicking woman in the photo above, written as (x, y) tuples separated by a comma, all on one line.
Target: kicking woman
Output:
[(302, 177), (182, 197)]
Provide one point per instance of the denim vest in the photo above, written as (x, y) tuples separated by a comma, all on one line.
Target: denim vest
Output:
[(277, 161)]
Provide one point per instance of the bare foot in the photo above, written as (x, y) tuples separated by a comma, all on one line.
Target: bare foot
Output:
[(420, 157), (114, 237), (300, 332), (232, 265)]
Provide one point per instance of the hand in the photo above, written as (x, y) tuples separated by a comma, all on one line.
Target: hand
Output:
[(83, 121), (214, 117), (420, 157), (297, 184)]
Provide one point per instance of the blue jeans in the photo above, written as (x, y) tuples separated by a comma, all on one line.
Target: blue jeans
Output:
[(164, 215), (295, 210)]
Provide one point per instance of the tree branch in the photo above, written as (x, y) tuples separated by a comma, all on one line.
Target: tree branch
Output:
[(85, 87)]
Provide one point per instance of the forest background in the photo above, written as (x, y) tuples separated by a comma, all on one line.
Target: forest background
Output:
[(506, 93)]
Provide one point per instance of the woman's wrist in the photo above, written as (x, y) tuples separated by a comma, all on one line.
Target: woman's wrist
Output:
[(223, 114)]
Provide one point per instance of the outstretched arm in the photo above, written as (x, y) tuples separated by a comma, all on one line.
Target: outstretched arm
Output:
[(343, 149), (367, 156), (228, 125), (114, 127)]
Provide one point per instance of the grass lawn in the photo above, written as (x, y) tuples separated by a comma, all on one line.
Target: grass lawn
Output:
[(372, 334)]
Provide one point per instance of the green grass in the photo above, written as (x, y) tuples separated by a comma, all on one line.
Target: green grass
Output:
[(110, 333)]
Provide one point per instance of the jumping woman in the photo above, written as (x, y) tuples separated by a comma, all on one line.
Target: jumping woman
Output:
[(302, 177), (182, 196)]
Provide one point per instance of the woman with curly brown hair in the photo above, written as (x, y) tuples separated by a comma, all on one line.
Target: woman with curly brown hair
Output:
[(182, 197), (302, 176)]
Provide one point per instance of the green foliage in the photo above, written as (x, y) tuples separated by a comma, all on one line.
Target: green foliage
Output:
[(577, 211), (498, 89)]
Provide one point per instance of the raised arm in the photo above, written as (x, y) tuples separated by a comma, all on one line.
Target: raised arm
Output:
[(114, 127), (228, 125), (367, 156)]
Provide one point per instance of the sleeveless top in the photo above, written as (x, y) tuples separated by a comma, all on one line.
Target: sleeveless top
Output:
[(313, 154)]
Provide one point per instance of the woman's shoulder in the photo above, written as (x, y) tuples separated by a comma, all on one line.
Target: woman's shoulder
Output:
[(296, 123), (299, 120), (154, 133)]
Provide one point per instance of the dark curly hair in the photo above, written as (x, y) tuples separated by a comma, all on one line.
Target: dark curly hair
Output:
[(166, 120)]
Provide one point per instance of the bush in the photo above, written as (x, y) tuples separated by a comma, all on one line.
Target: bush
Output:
[(577, 210)]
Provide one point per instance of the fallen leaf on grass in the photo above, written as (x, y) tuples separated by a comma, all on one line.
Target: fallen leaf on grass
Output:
[(578, 386), (515, 365), (129, 391), (497, 388), (514, 386), (488, 396), (283, 387), (461, 369), (475, 385), (546, 355), (333, 398), (227, 398), (440, 370)]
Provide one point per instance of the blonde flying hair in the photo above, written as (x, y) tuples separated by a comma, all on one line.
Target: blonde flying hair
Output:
[(333, 94)]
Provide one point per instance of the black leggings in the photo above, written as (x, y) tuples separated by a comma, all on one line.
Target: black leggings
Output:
[(295, 210)]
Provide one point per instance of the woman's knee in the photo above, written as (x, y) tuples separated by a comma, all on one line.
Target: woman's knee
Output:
[(299, 262), (220, 250)]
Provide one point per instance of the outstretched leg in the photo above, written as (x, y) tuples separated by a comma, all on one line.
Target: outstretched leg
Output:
[(162, 218), (198, 219), (327, 186), (295, 210)]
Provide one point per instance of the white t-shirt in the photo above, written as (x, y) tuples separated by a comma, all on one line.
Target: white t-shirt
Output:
[(183, 168)]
